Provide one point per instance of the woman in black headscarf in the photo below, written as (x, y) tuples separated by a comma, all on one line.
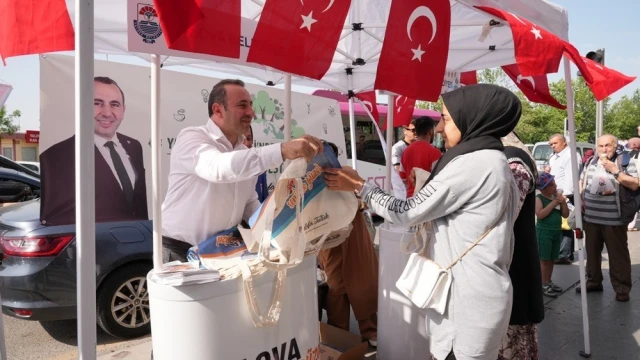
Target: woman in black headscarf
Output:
[(470, 193)]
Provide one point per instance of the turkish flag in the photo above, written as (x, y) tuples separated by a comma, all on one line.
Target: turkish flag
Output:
[(537, 51), (606, 81), (199, 26), (402, 112), (368, 99), (602, 81), (469, 78), (535, 88), (414, 53), (299, 37), (34, 27)]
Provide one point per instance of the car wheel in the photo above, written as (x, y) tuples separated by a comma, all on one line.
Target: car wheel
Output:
[(123, 302)]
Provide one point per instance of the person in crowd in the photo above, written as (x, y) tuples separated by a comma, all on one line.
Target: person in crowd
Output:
[(212, 173), (587, 155), (360, 145), (527, 311), (633, 146), (602, 219), (560, 163), (352, 276), (420, 154), (399, 183), (262, 187), (470, 196), (551, 207), (121, 189)]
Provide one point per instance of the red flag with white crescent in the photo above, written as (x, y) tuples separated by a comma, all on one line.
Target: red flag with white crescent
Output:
[(34, 27), (537, 51), (299, 36), (535, 88), (402, 112), (368, 99), (417, 43)]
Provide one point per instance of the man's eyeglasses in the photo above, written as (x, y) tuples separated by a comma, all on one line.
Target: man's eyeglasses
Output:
[(413, 130)]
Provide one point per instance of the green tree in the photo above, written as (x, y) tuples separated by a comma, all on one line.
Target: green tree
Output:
[(263, 104), (623, 117), (7, 121)]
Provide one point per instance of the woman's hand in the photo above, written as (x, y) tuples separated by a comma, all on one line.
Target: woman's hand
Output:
[(345, 179)]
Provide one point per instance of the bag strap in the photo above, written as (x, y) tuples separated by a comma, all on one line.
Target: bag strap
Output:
[(504, 210), (273, 314)]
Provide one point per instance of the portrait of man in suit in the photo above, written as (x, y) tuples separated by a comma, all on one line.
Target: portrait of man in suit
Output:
[(121, 192)]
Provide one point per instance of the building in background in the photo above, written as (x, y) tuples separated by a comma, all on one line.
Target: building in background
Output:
[(21, 146)]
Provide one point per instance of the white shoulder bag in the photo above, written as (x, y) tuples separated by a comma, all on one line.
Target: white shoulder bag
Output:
[(425, 282)]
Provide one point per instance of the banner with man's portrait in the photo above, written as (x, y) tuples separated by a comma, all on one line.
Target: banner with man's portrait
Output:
[(122, 120)]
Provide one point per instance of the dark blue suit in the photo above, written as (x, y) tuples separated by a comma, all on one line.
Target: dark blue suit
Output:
[(262, 187)]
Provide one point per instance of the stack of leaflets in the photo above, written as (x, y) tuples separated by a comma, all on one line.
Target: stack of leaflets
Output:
[(177, 273)]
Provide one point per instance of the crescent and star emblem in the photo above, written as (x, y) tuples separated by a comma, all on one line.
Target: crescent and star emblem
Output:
[(398, 99), (419, 12), (308, 20), (530, 78)]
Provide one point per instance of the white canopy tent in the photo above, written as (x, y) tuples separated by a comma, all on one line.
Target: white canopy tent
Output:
[(102, 28)]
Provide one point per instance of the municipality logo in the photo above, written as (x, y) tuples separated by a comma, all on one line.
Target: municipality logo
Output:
[(146, 24)]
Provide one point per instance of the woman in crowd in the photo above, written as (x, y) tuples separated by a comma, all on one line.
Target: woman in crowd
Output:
[(352, 277), (470, 192), (528, 308)]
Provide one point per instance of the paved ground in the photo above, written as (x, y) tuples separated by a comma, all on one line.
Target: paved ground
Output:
[(31, 340), (614, 326)]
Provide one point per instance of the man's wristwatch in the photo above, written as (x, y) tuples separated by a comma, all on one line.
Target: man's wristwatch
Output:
[(615, 176)]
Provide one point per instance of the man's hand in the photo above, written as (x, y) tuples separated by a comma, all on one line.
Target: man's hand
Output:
[(306, 147), (609, 165)]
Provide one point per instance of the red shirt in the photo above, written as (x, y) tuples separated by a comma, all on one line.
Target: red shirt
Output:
[(420, 154)]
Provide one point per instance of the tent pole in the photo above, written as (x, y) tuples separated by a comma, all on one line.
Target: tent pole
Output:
[(287, 107), (85, 181), (579, 235), (352, 122), (156, 147), (388, 169)]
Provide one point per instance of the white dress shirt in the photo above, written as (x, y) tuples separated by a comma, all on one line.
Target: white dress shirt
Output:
[(560, 164), (212, 183), (106, 154)]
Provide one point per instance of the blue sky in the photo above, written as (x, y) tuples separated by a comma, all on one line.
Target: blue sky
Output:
[(614, 25)]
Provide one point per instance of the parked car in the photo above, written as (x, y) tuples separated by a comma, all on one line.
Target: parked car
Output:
[(38, 266), (33, 165)]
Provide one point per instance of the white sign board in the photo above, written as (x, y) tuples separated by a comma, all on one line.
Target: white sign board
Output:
[(183, 103)]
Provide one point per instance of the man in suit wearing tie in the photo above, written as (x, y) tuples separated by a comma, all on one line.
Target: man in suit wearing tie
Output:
[(121, 192)]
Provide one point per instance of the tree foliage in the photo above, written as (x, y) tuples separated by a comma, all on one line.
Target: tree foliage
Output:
[(539, 122), (8, 121)]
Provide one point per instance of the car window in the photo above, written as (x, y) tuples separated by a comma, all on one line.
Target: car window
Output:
[(542, 152), (31, 167)]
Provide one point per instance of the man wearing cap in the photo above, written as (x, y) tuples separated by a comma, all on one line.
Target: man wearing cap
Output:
[(551, 207)]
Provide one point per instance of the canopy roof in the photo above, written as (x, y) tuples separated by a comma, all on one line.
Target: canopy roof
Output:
[(466, 51)]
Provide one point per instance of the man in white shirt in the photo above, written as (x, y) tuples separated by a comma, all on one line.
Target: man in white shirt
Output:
[(399, 182), (560, 164), (213, 174)]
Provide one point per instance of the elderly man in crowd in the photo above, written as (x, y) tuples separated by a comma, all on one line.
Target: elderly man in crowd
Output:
[(603, 219)]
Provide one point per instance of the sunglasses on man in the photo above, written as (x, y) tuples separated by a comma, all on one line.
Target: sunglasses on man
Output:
[(413, 130)]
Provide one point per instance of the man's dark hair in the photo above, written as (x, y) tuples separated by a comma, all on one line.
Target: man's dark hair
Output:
[(109, 81), (218, 94), (423, 125)]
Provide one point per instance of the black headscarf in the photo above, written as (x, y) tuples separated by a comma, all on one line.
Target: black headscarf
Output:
[(483, 113)]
